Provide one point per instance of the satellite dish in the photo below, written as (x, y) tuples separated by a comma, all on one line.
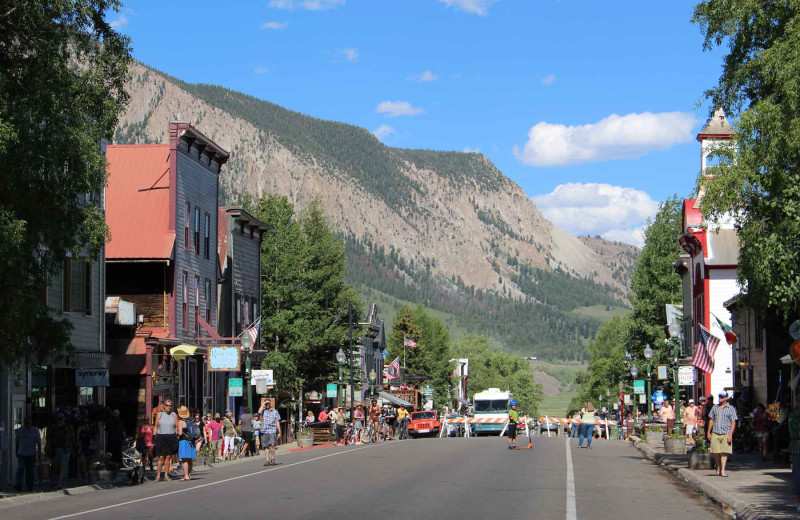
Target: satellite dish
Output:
[(794, 330)]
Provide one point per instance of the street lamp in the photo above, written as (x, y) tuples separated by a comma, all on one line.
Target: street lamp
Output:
[(635, 374), (648, 355), (372, 376), (341, 357), (247, 343), (674, 330)]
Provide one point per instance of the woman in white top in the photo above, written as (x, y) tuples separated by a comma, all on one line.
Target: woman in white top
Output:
[(587, 425)]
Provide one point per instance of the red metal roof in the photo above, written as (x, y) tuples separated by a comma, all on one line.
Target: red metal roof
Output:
[(692, 216), (137, 202)]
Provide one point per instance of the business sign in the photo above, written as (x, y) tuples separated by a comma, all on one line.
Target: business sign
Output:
[(91, 377), (331, 390), (427, 391), (628, 399), (223, 358), (686, 376), (638, 386), (235, 387), (313, 397), (661, 371), (642, 399), (267, 375)]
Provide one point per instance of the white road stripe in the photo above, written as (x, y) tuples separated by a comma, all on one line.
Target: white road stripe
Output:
[(571, 507), (185, 490)]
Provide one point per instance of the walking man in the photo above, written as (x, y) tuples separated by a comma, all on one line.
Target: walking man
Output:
[(29, 446), (721, 425), (668, 415), (270, 430), (246, 422), (690, 420)]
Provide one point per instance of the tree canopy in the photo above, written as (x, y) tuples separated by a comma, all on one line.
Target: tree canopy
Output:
[(62, 75), (760, 87)]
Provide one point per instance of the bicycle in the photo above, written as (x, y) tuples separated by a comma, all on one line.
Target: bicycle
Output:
[(131, 458), (403, 429), (367, 433)]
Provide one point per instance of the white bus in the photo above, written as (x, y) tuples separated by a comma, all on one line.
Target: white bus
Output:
[(491, 404)]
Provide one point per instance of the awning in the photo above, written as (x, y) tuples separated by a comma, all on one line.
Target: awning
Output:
[(463, 401), (394, 399), (181, 351)]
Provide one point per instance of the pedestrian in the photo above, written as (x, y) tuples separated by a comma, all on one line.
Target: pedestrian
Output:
[(690, 420), (358, 422), (63, 439), (214, 436), (246, 424), (84, 450), (761, 427), (229, 433), (402, 422), (28, 449), (574, 425), (144, 442), (257, 434), (794, 448), (513, 419), (667, 415), (187, 434), (707, 410), (309, 419), (375, 417), (340, 420), (270, 430), (201, 425), (323, 415), (721, 425), (166, 440), (116, 437), (700, 412), (587, 425), (391, 420)]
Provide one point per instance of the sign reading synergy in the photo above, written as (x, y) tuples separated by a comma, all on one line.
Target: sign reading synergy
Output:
[(223, 358), (91, 377)]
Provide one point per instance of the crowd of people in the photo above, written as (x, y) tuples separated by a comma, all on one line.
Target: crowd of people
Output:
[(383, 422)]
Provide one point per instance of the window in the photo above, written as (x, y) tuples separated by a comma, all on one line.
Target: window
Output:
[(185, 302), (238, 324), (255, 310), (246, 314), (77, 286), (186, 244), (207, 294), (197, 301), (196, 230), (207, 242)]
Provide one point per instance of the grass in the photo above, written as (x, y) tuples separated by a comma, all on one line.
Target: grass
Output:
[(564, 372), (602, 312), (556, 405)]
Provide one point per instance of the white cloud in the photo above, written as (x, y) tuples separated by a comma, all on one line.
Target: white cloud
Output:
[(308, 5), (549, 79), (467, 149), (397, 108), (260, 69), (613, 212), (275, 25), (614, 137), (425, 77), (350, 54), (383, 131), (120, 23), (480, 7)]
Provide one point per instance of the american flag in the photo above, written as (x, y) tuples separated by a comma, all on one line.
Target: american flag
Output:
[(408, 342), (394, 369), (252, 331), (704, 353)]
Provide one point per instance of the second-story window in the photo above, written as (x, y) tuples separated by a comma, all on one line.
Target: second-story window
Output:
[(185, 302), (207, 238), (77, 286), (186, 217), (197, 302), (246, 320), (197, 230)]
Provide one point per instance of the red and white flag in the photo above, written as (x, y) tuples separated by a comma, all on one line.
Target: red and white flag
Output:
[(707, 344), (408, 342)]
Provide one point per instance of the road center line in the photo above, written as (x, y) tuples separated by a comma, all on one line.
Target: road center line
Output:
[(571, 507), (185, 490)]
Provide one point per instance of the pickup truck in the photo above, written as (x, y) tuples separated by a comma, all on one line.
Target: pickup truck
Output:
[(424, 423)]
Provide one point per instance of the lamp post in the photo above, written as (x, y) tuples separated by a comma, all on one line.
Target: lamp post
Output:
[(648, 355), (372, 377), (350, 359), (634, 374), (675, 333), (247, 343), (341, 357)]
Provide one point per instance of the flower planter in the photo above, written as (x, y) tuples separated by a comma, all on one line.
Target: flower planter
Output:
[(701, 460), (305, 441), (102, 475), (675, 445)]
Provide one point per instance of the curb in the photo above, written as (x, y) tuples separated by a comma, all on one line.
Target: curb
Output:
[(743, 510)]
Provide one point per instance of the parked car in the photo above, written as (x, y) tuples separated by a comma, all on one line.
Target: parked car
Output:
[(424, 423)]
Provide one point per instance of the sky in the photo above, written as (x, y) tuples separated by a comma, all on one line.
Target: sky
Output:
[(591, 107)]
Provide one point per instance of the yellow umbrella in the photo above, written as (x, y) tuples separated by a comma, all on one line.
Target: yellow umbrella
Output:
[(181, 351)]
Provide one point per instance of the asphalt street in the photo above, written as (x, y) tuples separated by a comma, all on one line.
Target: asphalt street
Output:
[(418, 478)]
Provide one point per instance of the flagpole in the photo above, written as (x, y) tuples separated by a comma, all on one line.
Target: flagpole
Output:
[(404, 351)]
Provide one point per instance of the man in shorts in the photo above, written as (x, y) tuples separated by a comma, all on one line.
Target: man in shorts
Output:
[(270, 430), (721, 425), (513, 419)]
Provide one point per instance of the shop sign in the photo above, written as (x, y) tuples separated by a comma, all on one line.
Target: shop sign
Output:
[(642, 399), (91, 377), (235, 387), (661, 371), (331, 390), (638, 386), (313, 397), (223, 358), (427, 391), (686, 376), (267, 375)]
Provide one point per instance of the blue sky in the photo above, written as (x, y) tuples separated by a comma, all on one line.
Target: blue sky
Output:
[(591, 107)]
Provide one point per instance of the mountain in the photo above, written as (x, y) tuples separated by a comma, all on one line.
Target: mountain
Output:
[(444, 228)]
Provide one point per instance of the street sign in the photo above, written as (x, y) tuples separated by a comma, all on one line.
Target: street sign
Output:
[(628, 399), (661, 370), (235, 387), (262, 374), (331, 390), (642, 399), (427, 391), (686, 376), (638, 386)]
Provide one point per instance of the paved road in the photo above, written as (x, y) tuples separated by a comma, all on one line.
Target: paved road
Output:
[(417, 479)]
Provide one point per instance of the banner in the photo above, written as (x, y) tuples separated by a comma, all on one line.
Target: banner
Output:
[(223, 358)]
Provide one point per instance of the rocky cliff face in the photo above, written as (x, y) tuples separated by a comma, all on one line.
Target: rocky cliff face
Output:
[(464, 217)]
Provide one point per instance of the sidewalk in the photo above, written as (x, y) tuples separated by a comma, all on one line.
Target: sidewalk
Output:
[(77, 486), (754, 489)]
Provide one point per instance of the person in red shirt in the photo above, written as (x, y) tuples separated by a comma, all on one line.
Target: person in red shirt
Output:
[(214, 436), (761, 427)]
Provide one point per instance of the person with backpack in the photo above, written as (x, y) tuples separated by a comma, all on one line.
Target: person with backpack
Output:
[(188, 433), (166, 439)]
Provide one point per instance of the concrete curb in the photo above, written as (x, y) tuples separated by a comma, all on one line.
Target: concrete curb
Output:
[(742, 509)]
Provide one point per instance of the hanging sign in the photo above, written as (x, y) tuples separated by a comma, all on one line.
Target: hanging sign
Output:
[(266, 375), (427, 391), (638, 386), (331, 390), (235, 387), (223, 358), (91, 377), (642, 399), (661, 370), (313, 397), (686, 376)]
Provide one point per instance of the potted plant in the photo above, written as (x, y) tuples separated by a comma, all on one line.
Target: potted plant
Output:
[(700, 457), (305, 437), (101, 468), (675, 443), (205, 453)]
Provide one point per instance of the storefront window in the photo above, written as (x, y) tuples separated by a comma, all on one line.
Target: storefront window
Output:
[(85, 395)]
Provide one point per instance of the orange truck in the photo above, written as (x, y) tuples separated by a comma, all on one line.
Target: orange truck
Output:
[(424, 423)]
